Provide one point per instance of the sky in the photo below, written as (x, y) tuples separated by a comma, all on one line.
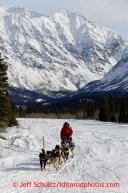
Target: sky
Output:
[(112, 14)]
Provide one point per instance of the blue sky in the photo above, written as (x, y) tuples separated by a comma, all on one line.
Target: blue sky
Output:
[(112, 14)]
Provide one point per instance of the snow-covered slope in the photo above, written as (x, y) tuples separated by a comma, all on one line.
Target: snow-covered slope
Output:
[(101, 157), (115, 81), (62, 52)]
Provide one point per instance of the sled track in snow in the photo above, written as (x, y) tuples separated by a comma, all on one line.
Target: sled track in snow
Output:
[(101, 154)]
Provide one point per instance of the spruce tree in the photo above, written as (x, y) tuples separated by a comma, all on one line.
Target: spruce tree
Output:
[(104, 114), (29, 110), (5, 102), (21, 112), (123, 111), (112, 108), (13, 114)]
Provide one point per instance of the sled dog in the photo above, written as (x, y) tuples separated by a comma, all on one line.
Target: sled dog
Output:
[(67, 153), (55, 159), (72, 148), (49, 157), (63, 146), (60, 154), (58, 149), (43, 160), (61, 158)]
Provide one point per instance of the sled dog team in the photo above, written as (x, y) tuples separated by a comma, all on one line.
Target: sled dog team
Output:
[(57, 156), (61, 153)]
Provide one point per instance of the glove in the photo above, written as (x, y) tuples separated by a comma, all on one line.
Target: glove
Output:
[(70, 138)]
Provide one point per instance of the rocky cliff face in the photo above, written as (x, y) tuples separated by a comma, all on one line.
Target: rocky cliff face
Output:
[(114, 82)]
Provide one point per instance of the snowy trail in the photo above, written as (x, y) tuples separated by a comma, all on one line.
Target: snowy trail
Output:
[(101, 156)]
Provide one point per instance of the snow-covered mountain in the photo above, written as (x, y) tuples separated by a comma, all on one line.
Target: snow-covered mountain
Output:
[(59, 53), (115, 81)]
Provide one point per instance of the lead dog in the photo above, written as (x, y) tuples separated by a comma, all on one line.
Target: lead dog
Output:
[(43, 159), (49, 157)]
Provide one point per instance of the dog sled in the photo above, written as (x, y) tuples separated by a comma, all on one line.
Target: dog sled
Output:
[(57, 156), (68, 142)]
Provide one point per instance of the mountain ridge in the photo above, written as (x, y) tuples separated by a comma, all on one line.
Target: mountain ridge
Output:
[(115, 81), (63, 52)]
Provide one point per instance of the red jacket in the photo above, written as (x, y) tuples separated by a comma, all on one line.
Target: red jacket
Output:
[(66, 132)]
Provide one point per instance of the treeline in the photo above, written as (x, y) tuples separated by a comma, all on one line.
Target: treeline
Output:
[(105, 109), (8, 110)]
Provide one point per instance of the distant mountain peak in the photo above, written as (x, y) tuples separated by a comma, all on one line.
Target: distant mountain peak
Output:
[(59, 53)]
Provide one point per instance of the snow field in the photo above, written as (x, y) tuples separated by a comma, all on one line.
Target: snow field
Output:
[(101, 156)]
